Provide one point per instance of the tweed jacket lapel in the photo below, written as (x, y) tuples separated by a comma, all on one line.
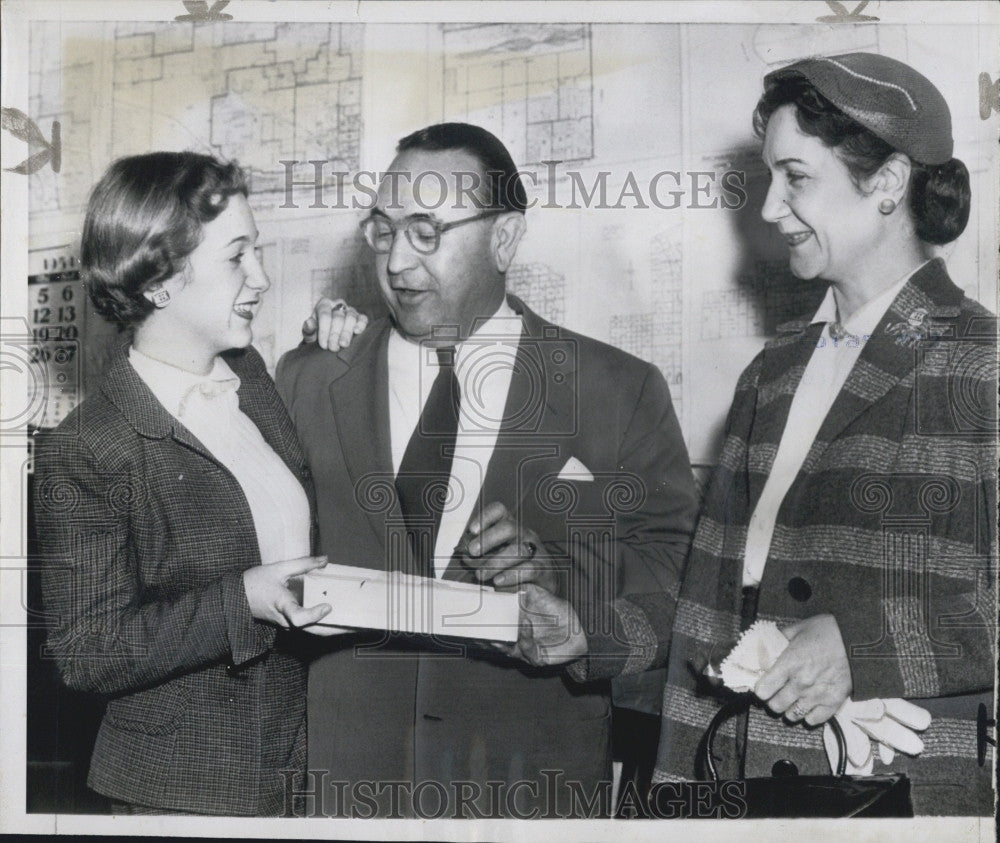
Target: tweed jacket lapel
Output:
[(783, 362), (149, 418), (263, 407), (889, 355), (136, 402), (129, 393), (893, 351)]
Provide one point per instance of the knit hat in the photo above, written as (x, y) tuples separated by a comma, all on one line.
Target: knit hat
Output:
[(885, 96)]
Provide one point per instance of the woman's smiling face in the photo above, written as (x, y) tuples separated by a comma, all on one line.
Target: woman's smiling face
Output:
[(830, 226), (214, 300)]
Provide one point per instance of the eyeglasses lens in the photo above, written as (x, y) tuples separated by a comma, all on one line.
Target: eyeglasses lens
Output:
[(422, 234)]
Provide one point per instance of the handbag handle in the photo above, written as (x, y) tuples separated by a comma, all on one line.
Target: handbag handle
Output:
[(739, 703)]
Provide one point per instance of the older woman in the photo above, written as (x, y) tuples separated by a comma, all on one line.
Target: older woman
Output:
[(855, 499), (161, 495)]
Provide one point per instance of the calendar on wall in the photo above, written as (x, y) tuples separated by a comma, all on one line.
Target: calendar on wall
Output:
[(56, 315)]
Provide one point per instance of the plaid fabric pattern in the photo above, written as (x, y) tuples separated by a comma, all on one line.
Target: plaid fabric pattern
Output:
[(143, 539), (890, 527)]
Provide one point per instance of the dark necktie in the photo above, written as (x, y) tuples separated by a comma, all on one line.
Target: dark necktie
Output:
[(422, 481)]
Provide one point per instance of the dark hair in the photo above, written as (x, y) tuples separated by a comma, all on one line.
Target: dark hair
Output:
[(939, 195), (502, 186), (144, 219)]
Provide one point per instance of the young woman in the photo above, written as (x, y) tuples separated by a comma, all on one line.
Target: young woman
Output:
[(161, 495)]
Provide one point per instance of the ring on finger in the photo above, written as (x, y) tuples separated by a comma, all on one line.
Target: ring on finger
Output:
[(531, 547), (339, 306), (797, 711)]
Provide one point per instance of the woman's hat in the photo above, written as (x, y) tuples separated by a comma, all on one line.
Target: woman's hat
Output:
[(887, 97)]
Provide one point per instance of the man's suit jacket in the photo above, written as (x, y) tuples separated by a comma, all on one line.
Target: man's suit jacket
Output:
[(144, 538), (890, 526), (416, 710)]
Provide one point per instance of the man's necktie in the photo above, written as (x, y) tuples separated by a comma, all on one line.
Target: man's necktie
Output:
[(422, 481)]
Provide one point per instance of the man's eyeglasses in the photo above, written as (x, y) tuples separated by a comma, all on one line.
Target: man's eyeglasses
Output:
[(423, 232)]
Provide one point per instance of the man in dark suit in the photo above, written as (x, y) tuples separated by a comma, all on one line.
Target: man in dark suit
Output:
[(563, 464)]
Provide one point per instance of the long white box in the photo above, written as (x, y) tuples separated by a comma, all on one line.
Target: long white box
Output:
[(365, 598)]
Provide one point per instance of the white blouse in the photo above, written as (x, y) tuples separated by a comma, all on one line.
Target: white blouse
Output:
[(208, 406)]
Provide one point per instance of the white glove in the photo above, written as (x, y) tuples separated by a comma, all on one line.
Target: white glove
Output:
[(892, 724)]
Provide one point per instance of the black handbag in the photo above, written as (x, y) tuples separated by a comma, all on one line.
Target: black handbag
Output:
[(782, 796)]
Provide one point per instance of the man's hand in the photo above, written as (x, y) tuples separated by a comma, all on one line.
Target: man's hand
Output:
[(270, 599), (501, 550), (811, 679), (333, 324), (549, 631)]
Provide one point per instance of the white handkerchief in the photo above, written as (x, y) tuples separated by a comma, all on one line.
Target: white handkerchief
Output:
[(576, 470), (755, 652)]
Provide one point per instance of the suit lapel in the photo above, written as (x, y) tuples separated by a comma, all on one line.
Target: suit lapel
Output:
[(538, 407), (360, 400), (538, 413)]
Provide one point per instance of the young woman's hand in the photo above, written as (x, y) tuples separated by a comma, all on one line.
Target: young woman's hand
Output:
[(270, 598), (333, 324)]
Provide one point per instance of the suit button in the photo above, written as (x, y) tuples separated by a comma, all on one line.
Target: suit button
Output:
[(784, 768), (799, 589)]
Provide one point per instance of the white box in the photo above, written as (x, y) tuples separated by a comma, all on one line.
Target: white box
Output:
[(370, 599)]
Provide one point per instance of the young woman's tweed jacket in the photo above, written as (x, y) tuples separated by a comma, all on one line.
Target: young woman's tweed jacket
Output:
[(890, 526), (144, 538)]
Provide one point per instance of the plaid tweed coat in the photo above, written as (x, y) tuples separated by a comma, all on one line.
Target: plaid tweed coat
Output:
[(144, 537), (890, 526)]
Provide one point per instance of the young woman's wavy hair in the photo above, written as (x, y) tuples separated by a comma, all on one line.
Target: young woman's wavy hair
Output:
[(144, 218)]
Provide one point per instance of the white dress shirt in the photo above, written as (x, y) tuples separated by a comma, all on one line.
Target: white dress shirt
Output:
[(484, 365), (822, 380), (208, 406)]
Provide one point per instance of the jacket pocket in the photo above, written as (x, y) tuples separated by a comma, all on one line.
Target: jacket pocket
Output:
[(156, 711)]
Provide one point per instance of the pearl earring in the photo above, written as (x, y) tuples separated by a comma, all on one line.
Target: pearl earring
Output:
[(886, 206)]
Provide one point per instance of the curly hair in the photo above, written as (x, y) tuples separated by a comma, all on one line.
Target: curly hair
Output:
[(144, 218), (939, 196)]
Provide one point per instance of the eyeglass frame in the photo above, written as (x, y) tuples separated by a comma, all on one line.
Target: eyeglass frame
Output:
[(439, 227)]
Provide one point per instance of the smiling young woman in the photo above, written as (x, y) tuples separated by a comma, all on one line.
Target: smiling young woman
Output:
[(184, 475), (213, 300)]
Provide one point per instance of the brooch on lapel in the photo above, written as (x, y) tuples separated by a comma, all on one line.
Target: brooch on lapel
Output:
[(912, 331), (838, 333)]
